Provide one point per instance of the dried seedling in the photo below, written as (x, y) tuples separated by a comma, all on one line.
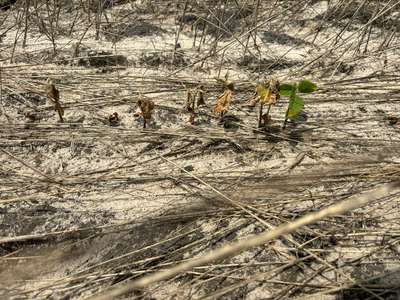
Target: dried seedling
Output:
[(190, 105), (225, 99), (195, 98), (53, 95), (268, 94), (200, 96), (145, 110)]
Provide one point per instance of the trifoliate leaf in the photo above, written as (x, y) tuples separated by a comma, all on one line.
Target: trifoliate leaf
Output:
[(286, 89), (306, 86), (296, 105)]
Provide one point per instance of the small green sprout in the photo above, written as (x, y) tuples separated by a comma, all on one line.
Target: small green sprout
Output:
[(296, 103)]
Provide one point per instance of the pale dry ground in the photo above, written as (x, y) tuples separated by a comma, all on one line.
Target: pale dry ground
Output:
[(102, 194)]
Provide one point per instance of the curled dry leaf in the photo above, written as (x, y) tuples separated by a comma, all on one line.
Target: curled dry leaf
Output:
[(223, 102), (145, 110), (53, 95), (195, 98)]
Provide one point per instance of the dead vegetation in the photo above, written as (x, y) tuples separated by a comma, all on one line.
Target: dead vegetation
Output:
[(124, 187)]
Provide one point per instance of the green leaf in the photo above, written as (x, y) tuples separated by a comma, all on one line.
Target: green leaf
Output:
[(296, 105), (262, 91), (306, 86), (286, 89)]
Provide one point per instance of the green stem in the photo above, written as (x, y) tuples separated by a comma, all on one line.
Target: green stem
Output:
[(286, 118), (292, 97)]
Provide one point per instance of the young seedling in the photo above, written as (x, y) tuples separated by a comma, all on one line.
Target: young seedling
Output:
[(145, 109), (224, 100), (296, 103), (53, 95), (268, 94)]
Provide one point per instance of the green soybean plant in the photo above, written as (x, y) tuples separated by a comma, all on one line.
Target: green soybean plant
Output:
[(296, 103)]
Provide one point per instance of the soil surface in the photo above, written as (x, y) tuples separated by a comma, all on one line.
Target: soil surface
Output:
[(93, 202)]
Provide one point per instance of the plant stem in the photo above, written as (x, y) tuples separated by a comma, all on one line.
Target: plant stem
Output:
[(267, 114), (292, 97), (260, 114), (286, 118)]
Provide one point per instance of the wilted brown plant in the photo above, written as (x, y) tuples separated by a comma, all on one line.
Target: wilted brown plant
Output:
[(53, 95), (190, 105), (145, 110), (224, 100), (195, 98), (269, 93)]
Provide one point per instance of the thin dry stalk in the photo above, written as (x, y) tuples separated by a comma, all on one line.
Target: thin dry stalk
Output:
[(258, 240)]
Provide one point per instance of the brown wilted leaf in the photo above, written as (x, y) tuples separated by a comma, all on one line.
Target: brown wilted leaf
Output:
[(53, 95), (146, 109), (223, 102), (269, 92), (273, 91)]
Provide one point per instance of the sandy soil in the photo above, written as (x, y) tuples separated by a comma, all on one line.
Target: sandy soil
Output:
[(85, 205)]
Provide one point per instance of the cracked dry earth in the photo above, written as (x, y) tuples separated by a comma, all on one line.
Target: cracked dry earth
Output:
[(85, 206)]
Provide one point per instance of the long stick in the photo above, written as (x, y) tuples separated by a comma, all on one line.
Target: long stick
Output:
[(257, 240)]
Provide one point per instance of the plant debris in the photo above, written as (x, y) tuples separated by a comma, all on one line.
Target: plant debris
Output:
[(53, 95), (145, 110), (268, 94), (224, 100)]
